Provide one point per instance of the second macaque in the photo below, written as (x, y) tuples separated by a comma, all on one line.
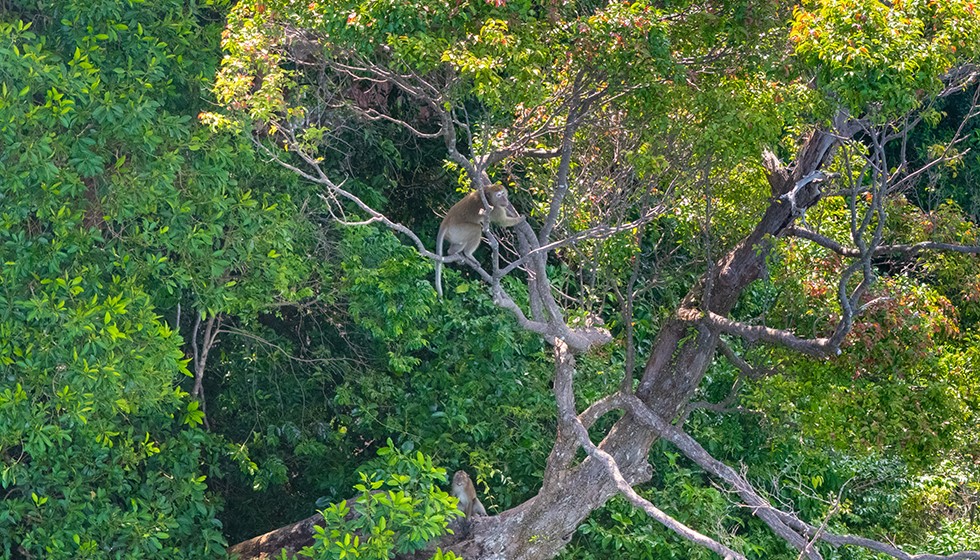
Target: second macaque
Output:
[(465, 492)]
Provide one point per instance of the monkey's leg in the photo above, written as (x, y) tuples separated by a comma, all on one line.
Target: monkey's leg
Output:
[(454, 248)]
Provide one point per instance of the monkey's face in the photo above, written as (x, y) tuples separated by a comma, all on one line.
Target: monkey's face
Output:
[(459, 479)]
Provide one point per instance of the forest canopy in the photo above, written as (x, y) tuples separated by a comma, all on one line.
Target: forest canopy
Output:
[(738, 316)]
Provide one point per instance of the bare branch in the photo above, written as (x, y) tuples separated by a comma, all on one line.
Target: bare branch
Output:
[(542, 154), (579, 339), (427, 93), (200, 357), (725, 405), (334, 189), (719, 407), (502, 299), (195, 350), (374, 115), (561, 181), (957, 138), (817, 347), (783, 524), (901, 249), (822, 240), (746, 368), (928, 246), (524, 139), (598, 232), (265, 342), (722, 407)]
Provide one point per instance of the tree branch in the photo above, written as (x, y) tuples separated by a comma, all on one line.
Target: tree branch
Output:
[(564, 167), (905, 249), (598, 232), (600, 408), (817, 347), (822, 240), (783, 524), (743, 366)]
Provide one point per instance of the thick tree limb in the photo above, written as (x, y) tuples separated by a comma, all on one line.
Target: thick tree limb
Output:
[(817, 347), (822, 240)]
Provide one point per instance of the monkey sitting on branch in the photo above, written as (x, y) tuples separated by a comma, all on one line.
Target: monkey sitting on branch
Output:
[(465, 492), (464, 223)]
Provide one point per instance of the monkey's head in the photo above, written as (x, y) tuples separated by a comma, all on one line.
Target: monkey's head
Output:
[(497, 195), (460, 478)]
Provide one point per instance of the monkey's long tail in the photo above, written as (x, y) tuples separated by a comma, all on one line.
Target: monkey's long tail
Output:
[(439, 240)]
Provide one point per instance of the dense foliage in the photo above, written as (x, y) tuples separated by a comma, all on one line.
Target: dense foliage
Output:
[(193, 350)]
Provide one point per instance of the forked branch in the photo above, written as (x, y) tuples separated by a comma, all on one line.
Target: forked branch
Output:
[(570, 424)]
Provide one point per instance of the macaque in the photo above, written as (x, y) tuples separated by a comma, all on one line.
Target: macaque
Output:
[(463, 224), (465, 492)]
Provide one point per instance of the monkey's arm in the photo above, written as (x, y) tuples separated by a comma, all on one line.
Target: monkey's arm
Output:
[(478, 509), (502, 216)]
